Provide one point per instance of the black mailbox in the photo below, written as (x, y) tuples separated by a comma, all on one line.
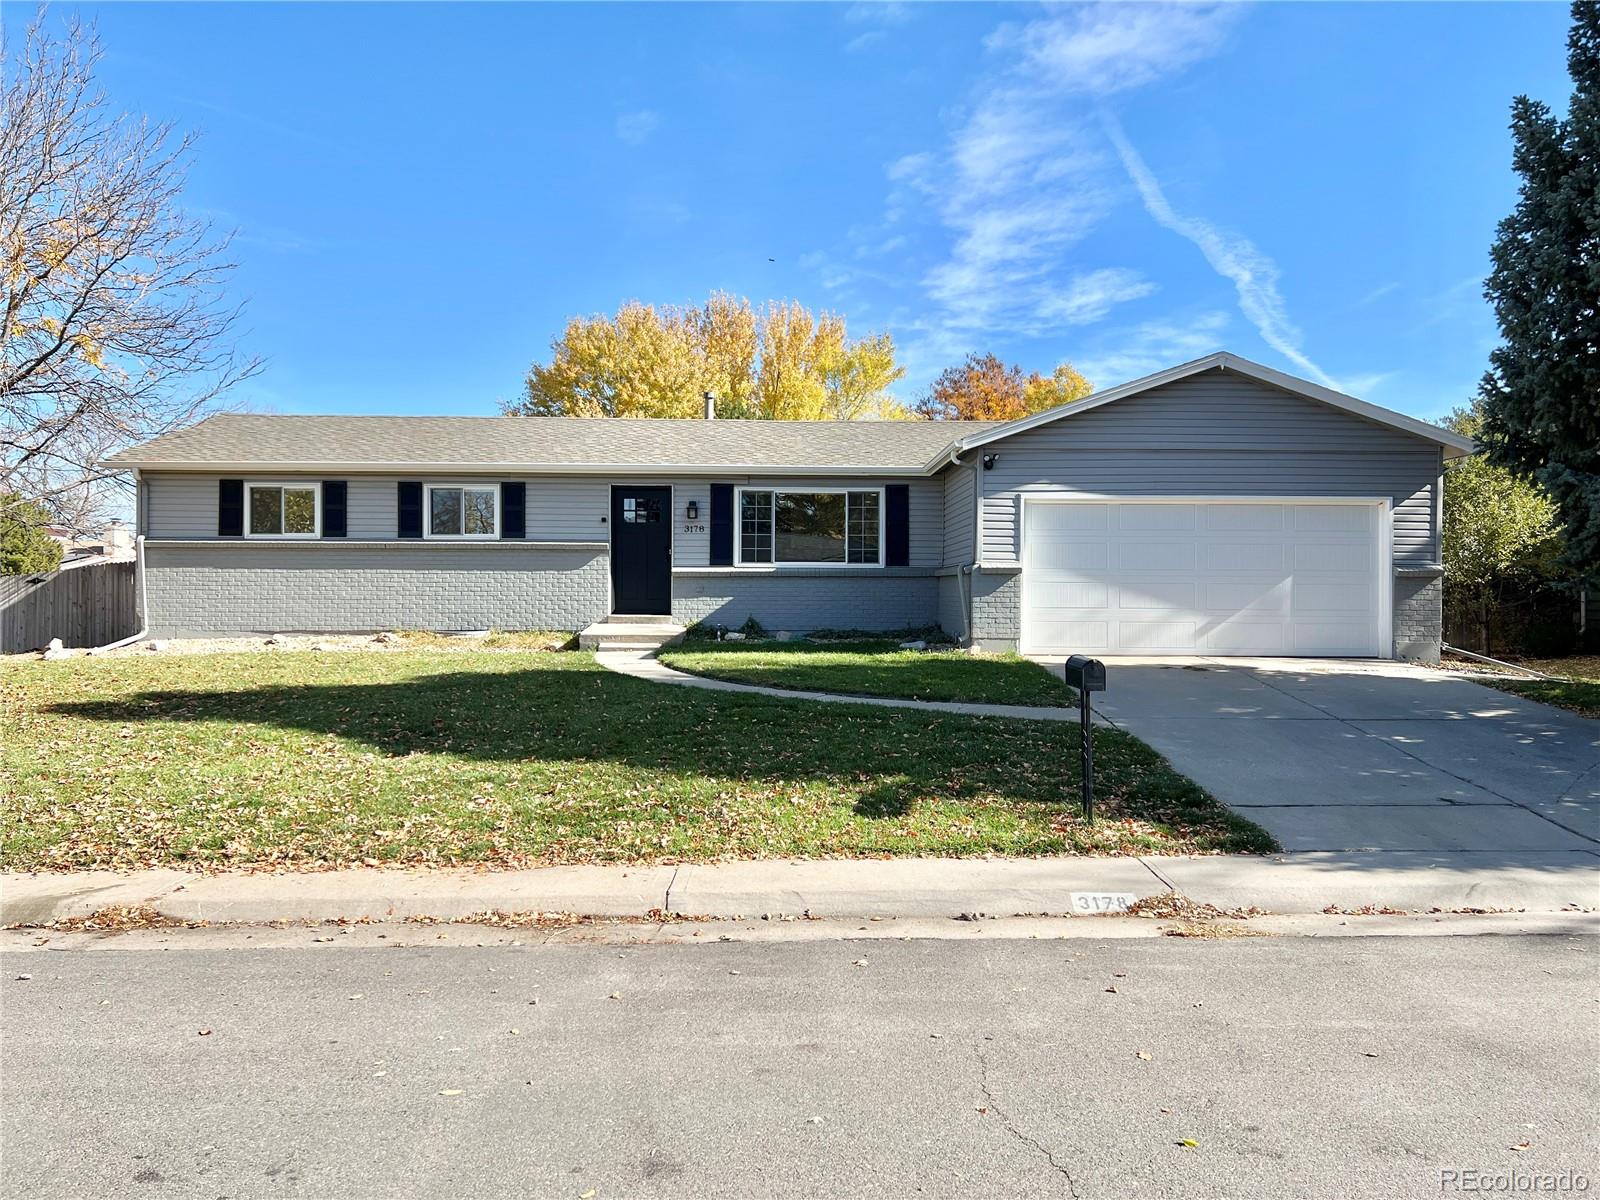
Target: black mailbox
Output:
[(1086, 674)]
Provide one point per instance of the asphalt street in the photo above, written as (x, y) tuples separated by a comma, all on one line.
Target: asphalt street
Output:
[(1296, 1066)]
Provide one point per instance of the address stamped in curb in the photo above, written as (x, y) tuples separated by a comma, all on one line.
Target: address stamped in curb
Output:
[(1088, 903)]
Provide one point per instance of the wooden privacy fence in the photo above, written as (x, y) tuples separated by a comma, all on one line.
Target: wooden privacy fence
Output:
[(83, 606)]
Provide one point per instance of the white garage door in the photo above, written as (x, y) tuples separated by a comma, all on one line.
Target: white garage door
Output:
[(1205, 577)]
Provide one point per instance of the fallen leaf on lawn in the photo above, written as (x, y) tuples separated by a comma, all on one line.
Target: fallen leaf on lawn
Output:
[(860, 962), (615, 996), (516, 1032), (1144, 1054), (1165, 1110), (1112, 988), (589, 1195), (1119, 974), (1521, 1146), (1369, 1054), (205, 1033), (357, 996), (1188, 1143), (450, 1091)]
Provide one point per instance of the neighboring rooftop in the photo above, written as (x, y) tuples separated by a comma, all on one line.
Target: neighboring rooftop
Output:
[(545, 444)]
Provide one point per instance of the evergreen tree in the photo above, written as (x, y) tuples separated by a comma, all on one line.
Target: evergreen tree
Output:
[(26, 547), (1542, 393)]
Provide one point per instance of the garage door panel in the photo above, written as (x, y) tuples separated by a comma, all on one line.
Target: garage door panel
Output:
[(1343, 638), (1092, 636), (1144, 595), (1247, 637), (1246, 596), (1046, 519), (1353, 557), (1140, 577), (1234, 555), (1331, 518), (1252, 518), (1074, 594), (1154, 556), (1311, 596), (1154, 518), (1158, 637), (1061, 555)]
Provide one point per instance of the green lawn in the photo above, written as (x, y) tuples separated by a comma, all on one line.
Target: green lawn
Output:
[(874, 668), (309, 759), (1577, 685)]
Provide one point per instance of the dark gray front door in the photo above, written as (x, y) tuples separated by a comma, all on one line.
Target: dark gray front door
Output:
[(641, 550)]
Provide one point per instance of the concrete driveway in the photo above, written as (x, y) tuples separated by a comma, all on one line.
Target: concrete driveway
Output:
[(1364, 755)]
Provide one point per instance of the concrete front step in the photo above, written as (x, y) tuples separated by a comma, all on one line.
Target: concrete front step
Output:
[(620, 635), (640, 619)]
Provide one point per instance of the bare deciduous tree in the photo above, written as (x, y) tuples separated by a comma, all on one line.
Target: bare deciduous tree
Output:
[(115, 325)]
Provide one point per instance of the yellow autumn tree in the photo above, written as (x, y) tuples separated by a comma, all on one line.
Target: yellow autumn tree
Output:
[(781, 362)]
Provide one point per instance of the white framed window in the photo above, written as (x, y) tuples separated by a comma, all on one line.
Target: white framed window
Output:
[(282, 510), (462, 510), (810, 527)]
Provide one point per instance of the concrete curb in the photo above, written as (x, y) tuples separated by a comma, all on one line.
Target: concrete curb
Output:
[(1283, 883)]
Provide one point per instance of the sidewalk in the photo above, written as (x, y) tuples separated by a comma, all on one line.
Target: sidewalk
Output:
[(946, 888)]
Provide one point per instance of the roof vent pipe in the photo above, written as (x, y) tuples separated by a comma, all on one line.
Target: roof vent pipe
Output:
[(711, 405)]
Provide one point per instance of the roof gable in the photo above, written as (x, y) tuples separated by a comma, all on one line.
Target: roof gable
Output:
[(1454, 444)]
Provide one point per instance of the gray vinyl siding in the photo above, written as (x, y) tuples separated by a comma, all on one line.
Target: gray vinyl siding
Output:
[(959, 518), (559, 509), (1216, 434)]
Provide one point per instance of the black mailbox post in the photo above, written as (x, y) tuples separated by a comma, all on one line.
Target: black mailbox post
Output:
[(1087, 675)]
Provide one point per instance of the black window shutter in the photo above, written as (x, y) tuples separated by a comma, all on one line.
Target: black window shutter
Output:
[(513, 510), (410, 510), (897, 525), (335, 498), (722, 524), (230, 508)]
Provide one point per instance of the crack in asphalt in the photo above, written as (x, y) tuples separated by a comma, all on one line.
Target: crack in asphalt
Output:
[(1011, 1127)]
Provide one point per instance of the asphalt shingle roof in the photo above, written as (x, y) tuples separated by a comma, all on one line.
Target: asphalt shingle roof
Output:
[(545, 443)]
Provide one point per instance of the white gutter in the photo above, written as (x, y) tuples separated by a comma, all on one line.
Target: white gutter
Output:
[(624, 470)]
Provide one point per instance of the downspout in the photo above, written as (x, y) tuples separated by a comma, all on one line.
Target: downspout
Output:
[(141, 585)]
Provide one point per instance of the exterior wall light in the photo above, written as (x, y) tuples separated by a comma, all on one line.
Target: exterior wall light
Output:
[(989, 461), (692, 510)]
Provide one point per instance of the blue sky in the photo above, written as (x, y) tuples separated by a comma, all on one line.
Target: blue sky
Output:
[(424, 194)]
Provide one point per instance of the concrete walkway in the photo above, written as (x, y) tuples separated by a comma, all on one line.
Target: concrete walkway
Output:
[(942, 888), (1365, 755), (644, 665)]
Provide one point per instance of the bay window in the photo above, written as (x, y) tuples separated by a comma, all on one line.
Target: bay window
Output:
[(810, 528)]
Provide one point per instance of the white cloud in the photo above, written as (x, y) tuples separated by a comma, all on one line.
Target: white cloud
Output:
[(1236, 258), (880, 16), (635, 127), (1153, 346), (1097, 50), (1025, 175)]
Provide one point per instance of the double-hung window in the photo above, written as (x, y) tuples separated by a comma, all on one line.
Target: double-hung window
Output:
[(810, 528), (463, 510), (282, 510)]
